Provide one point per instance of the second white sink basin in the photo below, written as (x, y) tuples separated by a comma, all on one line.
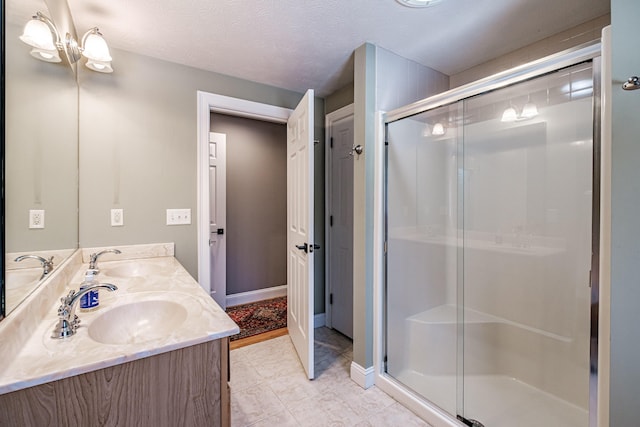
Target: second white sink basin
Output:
[(137, 322), (129, 270)]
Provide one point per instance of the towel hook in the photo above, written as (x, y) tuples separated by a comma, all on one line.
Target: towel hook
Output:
[(632, 84), (357, 149)]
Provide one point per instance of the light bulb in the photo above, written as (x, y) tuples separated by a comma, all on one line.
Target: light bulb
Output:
[(46, 55), (99, 66)]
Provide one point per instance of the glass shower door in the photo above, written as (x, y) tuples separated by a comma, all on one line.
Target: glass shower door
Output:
[(527, 190), (422, 329)]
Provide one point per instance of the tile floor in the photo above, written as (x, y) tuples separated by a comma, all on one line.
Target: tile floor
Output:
[(269, 388)]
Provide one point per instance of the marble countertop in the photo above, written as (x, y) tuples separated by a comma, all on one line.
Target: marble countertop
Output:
[(43, 359)]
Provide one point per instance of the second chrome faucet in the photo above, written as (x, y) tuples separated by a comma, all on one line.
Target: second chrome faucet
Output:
[(93, 260)]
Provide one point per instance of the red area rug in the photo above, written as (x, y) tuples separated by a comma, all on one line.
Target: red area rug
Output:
[(259, 317)]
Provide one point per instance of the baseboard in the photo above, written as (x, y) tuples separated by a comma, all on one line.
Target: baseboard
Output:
[(365, 378), (319, 320), (257, 295)]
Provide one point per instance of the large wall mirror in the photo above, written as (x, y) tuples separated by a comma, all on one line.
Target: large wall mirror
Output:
[(40, 152)]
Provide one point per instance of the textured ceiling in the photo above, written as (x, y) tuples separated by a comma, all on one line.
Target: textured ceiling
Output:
[(300, 44)]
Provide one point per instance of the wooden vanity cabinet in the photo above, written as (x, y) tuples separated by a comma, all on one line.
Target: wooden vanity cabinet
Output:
[(185, 387)]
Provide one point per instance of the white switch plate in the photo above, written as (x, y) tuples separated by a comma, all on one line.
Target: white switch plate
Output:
[(178, 216), (36, 218), (117, 217)]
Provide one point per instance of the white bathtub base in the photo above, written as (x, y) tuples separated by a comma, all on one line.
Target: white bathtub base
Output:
[(424, 409), (497, 401)]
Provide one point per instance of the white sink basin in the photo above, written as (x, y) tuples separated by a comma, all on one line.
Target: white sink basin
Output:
[(22, 277), (129, 270), (137, 322)]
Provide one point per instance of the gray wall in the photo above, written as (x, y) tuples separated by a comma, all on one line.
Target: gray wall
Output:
[(383, 81), (138, 148), (138, 152), (256, 232), (41, 143), (338, 99), (625, 231)]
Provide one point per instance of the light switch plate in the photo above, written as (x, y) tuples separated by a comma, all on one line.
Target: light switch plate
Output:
[(36, 218), (117, 217), (178, 216)]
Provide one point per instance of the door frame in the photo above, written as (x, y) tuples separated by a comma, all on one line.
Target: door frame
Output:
[(206, 104), (330, 119)]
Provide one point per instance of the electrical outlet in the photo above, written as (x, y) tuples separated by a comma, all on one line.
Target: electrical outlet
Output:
[(178, 216), (117, 217), (36, 218)]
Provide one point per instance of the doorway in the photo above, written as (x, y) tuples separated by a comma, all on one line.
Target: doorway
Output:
[(339, 201), (256, 207), (300, 208)]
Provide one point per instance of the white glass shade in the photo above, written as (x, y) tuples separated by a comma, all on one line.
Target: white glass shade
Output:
[(95, 48), (38, 34), (529, 110), (438, 129), (509, 115)]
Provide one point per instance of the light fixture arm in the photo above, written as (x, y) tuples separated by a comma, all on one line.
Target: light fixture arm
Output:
[(44, 18), (94, 30)]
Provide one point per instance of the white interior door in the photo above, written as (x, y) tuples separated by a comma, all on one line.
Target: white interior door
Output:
[(340, 244), (300, 246), (218, 216)]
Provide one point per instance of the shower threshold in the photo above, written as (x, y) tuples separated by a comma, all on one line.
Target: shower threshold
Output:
[(497, 401)]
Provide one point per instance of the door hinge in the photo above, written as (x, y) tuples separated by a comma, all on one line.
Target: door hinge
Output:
[(331, 299), (386, 247), (331, 142), (330, 220)]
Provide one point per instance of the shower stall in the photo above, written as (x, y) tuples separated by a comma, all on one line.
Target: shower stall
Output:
[(491, 200)]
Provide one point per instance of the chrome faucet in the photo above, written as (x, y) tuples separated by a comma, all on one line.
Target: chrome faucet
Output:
[(68, 320), (47, 264), (93, 261)]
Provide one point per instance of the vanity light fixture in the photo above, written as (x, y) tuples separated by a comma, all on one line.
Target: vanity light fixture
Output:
[(418, 3), (529, 111), (40, 32)]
